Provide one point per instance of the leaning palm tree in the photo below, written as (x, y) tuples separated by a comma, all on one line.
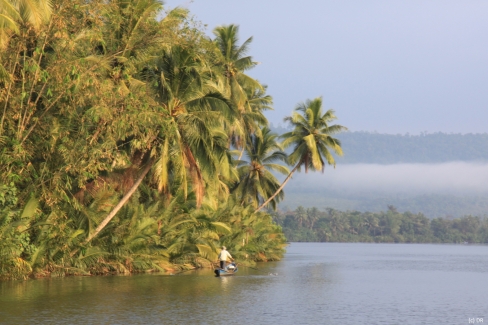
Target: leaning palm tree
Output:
[(257, 183), (311, 138), (189, 146)]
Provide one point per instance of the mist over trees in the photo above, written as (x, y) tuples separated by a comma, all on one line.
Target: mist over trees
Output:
[(437, 174), (130, 143)]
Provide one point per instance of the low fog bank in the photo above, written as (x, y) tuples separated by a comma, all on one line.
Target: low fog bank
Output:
[(437, 190), (460, 178)]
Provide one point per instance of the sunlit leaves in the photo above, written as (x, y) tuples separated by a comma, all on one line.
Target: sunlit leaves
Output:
[(92, 95)]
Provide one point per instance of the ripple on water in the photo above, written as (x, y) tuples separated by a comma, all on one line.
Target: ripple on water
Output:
[(315, 284)]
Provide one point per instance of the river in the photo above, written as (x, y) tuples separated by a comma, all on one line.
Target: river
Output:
[(316, 283)]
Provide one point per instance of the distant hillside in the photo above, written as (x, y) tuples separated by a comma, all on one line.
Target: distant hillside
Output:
[(387, 149), (366, 147), (376, 148)]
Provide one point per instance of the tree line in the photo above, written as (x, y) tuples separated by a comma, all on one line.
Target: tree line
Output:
[(390, 226), (130, 143)]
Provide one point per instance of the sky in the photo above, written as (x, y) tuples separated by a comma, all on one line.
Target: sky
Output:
[(386, 66)]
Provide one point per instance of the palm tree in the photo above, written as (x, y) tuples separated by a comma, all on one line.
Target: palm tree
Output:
[(191, 143), (267, 241), (257, 183), (233, 60), (250, 122), (312, 216), (25, 18), (300, 215), (371, 222), (337, 225), (14, 13), (246, 94), (311, 138), (119, 53), (122, 202)]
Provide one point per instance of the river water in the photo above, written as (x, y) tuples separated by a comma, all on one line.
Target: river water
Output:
[(316, 283)]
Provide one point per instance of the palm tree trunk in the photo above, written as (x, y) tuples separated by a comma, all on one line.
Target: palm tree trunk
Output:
[(279, 189), (121, 203)]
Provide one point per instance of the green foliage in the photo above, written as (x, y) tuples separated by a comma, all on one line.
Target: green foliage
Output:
[(256, 181), (311, 140), (94, 95), (311, 137), (15, 237), (390, 226)]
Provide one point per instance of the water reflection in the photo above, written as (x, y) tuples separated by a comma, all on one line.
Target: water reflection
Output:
[(315, 283), (224, 283)]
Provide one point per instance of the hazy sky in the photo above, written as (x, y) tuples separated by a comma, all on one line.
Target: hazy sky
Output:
[(386, 66)]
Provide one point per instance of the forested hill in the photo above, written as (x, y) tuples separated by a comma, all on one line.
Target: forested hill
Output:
[(366, 147), (377, 148)]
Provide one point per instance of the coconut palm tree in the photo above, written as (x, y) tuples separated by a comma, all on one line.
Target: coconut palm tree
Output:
[(246, 94), (300, 215), (192, 141), (233, 61), (26, 19), (311, 140), (14, 13), (250, 122), (267, 241), (313, 215), (190, 144), (256, 182)]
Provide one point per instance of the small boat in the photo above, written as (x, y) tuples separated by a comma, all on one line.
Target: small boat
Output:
[(230, 269)]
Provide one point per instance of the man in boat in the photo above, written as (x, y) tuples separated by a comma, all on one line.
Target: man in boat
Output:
[(223, 256)]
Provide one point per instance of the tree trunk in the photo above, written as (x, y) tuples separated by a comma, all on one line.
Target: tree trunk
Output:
[(122, 202), (279, 189)]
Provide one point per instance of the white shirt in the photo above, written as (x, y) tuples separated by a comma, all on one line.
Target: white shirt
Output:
[(224, 255)]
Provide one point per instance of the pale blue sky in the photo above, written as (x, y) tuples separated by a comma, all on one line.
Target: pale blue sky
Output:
[(387, 66)]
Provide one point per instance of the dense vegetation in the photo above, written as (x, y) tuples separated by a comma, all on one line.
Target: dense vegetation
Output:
[(132, 144), (313, 225)]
